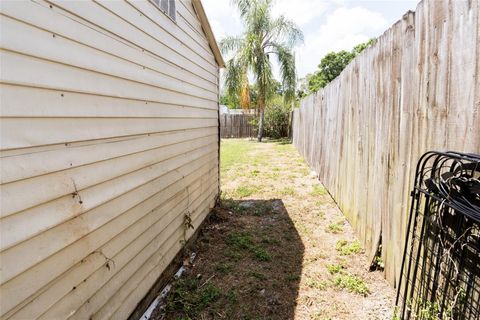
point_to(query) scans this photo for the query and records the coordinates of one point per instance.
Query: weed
(316, 257)
(261, 254)
(288, 237)
(429, 311)
(351, 283)
(318, 190)
(190, 297)
(319, 214)
(224, 267)
(267, 240)
(334, 228)
(257, 275)
(245, 191)
(334, 268)
(287, 191)
(304, 171)
(254, 173)
(244, 241)
(240, 240)
(347, 249)
(293, 277)
(232, 297)
(233, 254)
(261, 209)
(317, 284)
(273, 175)
(303, 228)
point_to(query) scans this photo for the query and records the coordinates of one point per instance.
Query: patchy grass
(318, 190)
(345, 248)
(287, 191)
(224, 267)
(190, 297)
(273, 248)
(351, 283)
(245, 191)
(334, 228)
(234, 152)
(254, 173)
(258, 275)
(318, 284)
(334, 268)
(244, 241)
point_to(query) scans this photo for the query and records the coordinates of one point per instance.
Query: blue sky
(327, 25)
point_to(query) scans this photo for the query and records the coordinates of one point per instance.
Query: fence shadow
(249, 257)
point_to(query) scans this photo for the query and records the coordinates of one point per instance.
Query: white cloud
(223, 18)
(343, 29)
(300, 11)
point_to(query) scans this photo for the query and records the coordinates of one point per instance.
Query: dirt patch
(277, 248)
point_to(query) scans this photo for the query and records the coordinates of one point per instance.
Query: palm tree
(263, 37)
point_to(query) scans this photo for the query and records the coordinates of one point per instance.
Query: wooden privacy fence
(237, 126)
(416, 89)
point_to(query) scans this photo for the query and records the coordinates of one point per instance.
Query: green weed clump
(190, 297)
(351, 283)
(318, 284)
(224, 267)
(318, 190)
(246, 191)
(334, 268)
(334, 228)
(347, 249)
(287, 191)
(244, 242)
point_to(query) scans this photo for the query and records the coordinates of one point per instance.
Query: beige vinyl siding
(109, 137)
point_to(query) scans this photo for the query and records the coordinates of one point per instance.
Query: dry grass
(277, 248)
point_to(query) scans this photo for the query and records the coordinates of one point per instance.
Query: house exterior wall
(109, 139)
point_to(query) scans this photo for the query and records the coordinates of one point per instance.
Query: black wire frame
(440, 271)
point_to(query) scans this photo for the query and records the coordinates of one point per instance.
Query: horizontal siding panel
(179, 42)
(101, 18)
(35, 72)
(95, 199)
(151, 244)
(48, 187)
(25, 132)
(44, 46)
(28, 102)
(128, 305)
(89, 275)
(109, 135)
(185, 35)
(49, 20)
(29, 165)
(126, 210)
(186, 18)
(113, 308)
(53, 186)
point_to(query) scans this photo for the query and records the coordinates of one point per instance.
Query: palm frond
(230, 44)
(286, 60)
(285, 30)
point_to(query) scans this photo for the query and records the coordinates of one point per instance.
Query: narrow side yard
(277, 248)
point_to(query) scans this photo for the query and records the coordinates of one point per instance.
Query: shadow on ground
(248, 266)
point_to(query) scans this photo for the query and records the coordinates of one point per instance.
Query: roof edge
(197, 4)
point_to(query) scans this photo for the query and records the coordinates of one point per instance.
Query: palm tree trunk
(260, 126)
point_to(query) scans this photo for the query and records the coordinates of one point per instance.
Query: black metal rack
(440, 273)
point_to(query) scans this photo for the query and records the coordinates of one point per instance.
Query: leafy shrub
(277, 117)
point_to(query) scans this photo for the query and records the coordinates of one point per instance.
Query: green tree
(264, 37)
(230, 101)
(332, 65)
